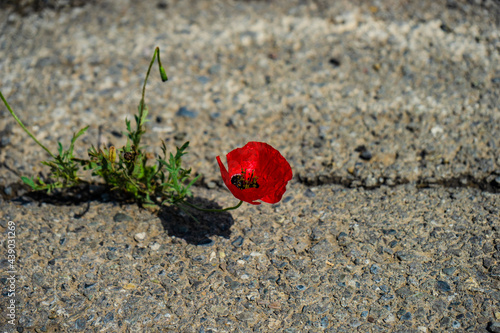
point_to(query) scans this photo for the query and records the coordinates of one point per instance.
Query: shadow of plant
(196, 227)
(71, 196)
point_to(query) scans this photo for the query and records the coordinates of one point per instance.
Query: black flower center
(243, 182)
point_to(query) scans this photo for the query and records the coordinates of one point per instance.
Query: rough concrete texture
(388, 113)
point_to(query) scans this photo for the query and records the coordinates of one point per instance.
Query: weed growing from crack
(129, 169)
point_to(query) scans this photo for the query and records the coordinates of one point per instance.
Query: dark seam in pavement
(463, 181)
(83, 194)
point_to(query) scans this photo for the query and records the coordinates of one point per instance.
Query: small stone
(129, 286)
(111, 255)
(404, 256)
(203, 79)
(343, 239)
(80, 324)
(245, 316)
(495, 271)
(38, 279)
(445, 321)
(403, 292)
(214, 69)
(120, 217)
(390, 318)
(8, 191)
(375, 269)
(443, 286)
(406, 316)
(185, 112)
(342, 234)
(322, 248)
(355, 323)
(309, 193)
(206, 242)
(109, 317)
(301, 287)
(154, 246)
(238, 242)
(324, 322)
(366, 155)
(449, 270)
(139, 237)
(386, 297)
(390, 232)
(231, 283)
(47, 61)
(371, 181)
(455, 324)
(487, 262)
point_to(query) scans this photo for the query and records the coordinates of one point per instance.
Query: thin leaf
(76, 136)
(28, 181)
(60, 148)
(192, 182)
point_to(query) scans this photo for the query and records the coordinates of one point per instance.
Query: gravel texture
(387, 111)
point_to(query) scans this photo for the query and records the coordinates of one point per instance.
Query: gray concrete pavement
(387, 112)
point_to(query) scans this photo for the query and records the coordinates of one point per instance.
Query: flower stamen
(243, 182)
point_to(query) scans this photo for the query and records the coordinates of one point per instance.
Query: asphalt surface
(387, 112)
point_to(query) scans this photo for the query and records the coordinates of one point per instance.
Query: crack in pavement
(491, 183)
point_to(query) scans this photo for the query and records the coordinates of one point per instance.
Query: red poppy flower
(256, 172)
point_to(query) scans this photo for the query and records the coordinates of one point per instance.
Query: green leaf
(184, 146)
(79, 133)
(76, 136)
(144, 115)
(29, 181)
(193, 181)
(40, 180)
(60, 148)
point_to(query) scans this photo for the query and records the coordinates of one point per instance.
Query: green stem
(164, 78)
(212, 210)
(24, 127)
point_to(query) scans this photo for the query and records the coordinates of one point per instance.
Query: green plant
(150, 181)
